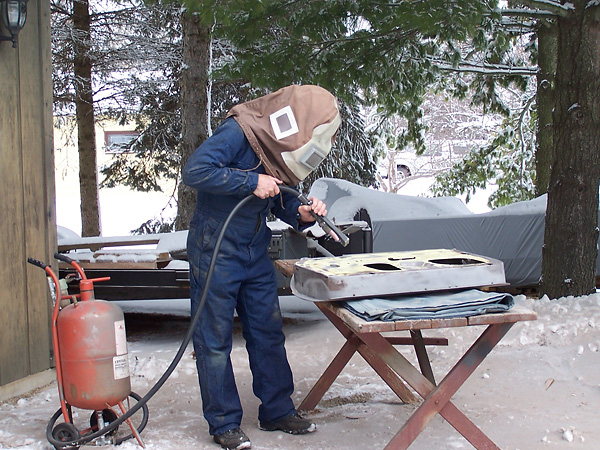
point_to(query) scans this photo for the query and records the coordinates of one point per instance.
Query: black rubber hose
(188, 336)
(180, 352)
(74, 444)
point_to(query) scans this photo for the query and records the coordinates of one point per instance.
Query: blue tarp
(439, 305)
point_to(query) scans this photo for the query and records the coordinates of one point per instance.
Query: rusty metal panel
(390, 273)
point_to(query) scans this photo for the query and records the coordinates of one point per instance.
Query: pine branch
(488, 69)
(529, 13)
(549, 6)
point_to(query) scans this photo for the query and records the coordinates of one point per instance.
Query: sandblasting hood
(291, 130)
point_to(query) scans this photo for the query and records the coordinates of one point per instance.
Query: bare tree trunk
(194, 108)
(84, 104)
(571, 235)
(547, 35)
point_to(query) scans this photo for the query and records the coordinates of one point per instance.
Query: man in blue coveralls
(275, 139)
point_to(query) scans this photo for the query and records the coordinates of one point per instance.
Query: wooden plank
(330, 374)
(357, 324)
(107, 265)
(372, 359)
(419, 383)
(423, 324)
(516, 314)
(387, 374)
(14, 359)
(286, 266)
(35, 116)
(129, 255)
(47, 127)
(405, 340)
(438, 399)
(97, 243)
(422, 356)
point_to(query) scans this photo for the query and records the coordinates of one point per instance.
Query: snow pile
(561, 322)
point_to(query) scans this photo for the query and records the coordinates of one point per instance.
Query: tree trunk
(547, 35)
(571, 234)
(84, 113)
(194, 108)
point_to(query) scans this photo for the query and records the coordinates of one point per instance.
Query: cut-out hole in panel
(382, 266)
(457, 261)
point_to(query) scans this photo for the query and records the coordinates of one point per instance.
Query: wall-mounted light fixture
(14, 15)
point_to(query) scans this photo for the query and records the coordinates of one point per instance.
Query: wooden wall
(27, 207)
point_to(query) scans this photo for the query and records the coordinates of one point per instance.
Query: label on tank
(120, 337)
(121, 367)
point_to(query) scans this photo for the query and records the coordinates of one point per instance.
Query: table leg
(387, 374)
(437, 399)
(330, 374)
(440, 396)
(422, 356)
(335, 367)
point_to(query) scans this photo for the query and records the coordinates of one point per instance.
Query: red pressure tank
(93, 354)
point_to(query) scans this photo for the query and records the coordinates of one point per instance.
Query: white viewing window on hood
(284, 123)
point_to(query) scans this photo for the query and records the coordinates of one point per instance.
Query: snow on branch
(530, 13)
(488, 69)
(551, 6)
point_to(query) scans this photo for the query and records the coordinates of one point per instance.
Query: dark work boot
(234, 439)
(292, 424)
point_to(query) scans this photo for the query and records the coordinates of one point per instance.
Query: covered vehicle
(514, 234)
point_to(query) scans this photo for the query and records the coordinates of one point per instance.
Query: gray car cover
(513, 234)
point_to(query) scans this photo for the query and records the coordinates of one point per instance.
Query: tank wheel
(65, 432)
(108, 415)
(139, 424)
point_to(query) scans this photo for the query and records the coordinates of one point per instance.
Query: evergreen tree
(507, 158)
(386, 56)
(571, 233)
(114, 59)
(80, 89)
(393, 53)
(389, 55)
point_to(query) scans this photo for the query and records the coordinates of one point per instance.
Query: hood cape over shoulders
(291, 130)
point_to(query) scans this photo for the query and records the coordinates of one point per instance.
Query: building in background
(121, 208)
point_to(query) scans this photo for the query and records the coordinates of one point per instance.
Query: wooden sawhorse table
(379, 352)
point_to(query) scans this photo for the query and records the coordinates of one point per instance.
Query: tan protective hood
(291, 130)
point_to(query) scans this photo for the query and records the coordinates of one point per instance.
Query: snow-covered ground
(538, 389)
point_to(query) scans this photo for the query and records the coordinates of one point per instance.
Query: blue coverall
(224, 170)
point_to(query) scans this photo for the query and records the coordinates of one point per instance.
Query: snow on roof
(344, 199)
